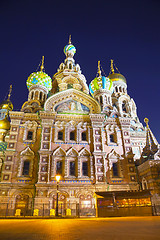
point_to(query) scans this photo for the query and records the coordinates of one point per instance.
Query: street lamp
(57, 179)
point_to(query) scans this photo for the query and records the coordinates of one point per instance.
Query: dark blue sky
(127, 31)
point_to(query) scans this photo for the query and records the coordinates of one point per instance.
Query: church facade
(90, 136)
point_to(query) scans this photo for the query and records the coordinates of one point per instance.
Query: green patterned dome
(39, 78)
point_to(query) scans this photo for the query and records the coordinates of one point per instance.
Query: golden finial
(146, 120)
(99, 69)
(69, 40)
(112, 68)
(9, 94)
(42, 65)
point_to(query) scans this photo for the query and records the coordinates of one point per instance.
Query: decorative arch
(59, 152)
(72, 95)
(26, 156)
(72, 152)
(84, 152)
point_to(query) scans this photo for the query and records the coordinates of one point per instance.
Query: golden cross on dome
(69, 40)
(99, 69)
(42, 65)
(146, 120)
(112, 68)
(9, 94)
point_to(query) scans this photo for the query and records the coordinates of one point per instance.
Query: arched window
(70, 66)
(26, 168)
(60, 135)
(115, 169)
(72, 135)
(116, 89)
(84, 136)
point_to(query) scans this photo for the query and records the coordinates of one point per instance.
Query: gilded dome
(117, 77)
(6, 104)
(5, 124)
(39, 78)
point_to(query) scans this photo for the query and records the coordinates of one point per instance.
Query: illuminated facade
(92, 141)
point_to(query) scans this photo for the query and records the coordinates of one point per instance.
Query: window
(115, 169)
(59, 168)
(26, 168)
(29, 135)
(112, 138)
(85, 168)
(72, 135)
(84, 137)
(72, 168)
(124, 107)
(101, 100)
(60, 135)
(40, 96)
(70, 85)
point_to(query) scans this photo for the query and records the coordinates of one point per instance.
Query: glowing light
(58, 178)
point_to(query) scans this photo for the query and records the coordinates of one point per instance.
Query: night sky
(126, 31)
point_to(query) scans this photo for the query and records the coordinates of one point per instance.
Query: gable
(72, 101)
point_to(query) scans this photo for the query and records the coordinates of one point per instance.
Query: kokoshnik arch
(92, 141)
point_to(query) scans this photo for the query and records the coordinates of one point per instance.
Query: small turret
(39, 84)
(101, 89)
(119, 81)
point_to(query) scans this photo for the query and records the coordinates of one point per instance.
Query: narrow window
(40, 96)
(84, 137)
(26, 168)
(72, 168)
(29, 135)
(72, 135)
(85, 168)
(112, 138)
(101, 99)
(59, 167)
(115, 170)
(124, 107)
(60, 135)
(32, 95)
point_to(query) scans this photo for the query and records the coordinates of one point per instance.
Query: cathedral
(89, 135)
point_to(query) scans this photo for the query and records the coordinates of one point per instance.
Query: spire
(112, 68)
(9, 94)
(99, 69)
(151, 143)
(42, 65)
(69, 42)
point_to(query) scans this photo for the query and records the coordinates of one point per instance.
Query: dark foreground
(128, 228)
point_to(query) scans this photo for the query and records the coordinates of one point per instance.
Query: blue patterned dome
(100, 82)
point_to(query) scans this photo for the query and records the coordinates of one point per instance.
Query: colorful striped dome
(39, 78)
(100, 82)
(69, 50)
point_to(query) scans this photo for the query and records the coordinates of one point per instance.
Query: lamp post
(57, 179)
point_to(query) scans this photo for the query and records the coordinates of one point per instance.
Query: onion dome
(100, 82)
(69, 49)
(5, 124)
(7, 104)
(116, 76)
(39, 78)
